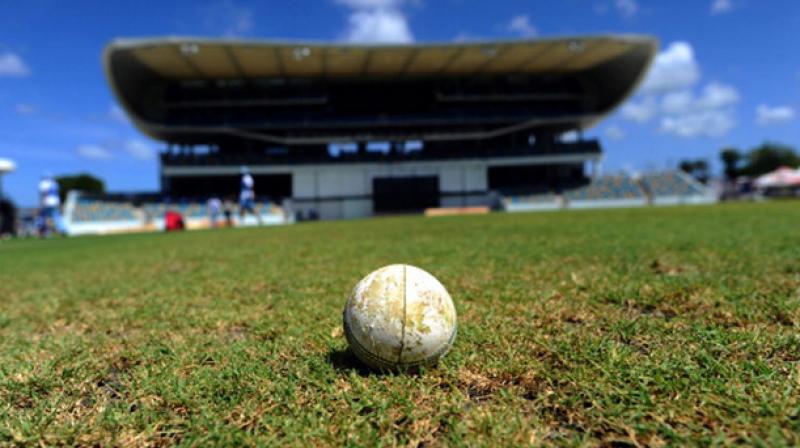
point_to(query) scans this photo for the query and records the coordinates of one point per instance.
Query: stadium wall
(346, 190)
(685, 200)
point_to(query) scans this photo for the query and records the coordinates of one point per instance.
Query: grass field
(619, 327)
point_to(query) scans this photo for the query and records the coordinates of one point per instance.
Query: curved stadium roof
(189, 90)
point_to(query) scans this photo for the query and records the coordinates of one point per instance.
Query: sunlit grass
(642, 326)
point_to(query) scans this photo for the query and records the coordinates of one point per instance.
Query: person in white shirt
(214, 206)
(247, 196)
(49, 203)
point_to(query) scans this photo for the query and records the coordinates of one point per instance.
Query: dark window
(521, 179)
(405, 194)
(273, 186)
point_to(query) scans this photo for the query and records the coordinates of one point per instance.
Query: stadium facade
(346, 131)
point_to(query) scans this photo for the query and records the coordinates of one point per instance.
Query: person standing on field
(247, 196)
(49, 203)
(214, 206)
(227, 210)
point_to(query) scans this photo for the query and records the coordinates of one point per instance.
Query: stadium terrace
(345, 131)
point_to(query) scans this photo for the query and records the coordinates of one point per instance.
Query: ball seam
(377, 361)
(403, 326)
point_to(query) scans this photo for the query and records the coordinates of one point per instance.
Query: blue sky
(728, 72)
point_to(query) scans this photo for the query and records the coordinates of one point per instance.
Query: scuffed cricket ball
(399, 317)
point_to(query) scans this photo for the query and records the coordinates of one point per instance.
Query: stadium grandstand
(621, 190)
(86, 214)
(344, 131)
(675, 187)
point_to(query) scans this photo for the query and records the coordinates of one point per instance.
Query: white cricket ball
(399, 317)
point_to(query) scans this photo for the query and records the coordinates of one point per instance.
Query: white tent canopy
(782, 177)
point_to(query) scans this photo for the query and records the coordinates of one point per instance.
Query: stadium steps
(668, 187)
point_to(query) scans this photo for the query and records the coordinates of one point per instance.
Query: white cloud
(674, 68)
(367, 4)
(94, 152)
(717, 95)
(522, 25)
(721, 6)
(615, 132)
(13, 66)
(138, 149)
(640, 111)
(706, 123)
(628, 8)
(227, 18)
(25, 109)
(710, 114)
(117, 114)
(135, 148)
(466, 37)
(714, 96)
(378, 26)
(677, 102)
(766, 115)
(376, 21)
(669, 95)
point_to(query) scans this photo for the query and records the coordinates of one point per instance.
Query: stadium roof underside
(197, 91)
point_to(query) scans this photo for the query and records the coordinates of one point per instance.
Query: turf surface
(641, 326)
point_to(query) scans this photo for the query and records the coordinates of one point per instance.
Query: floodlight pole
(6, 166)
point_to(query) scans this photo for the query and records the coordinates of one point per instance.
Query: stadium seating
(266, 207)
(671, 183)
(607, 188)
(154, 210)
(92, 210)
(86, 215)
(189, 210)
(667, 187)
(198, 210)
(97, 210)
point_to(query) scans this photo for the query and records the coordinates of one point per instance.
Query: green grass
(642, 326)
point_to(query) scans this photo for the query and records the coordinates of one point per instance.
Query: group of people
(247, 197)
(49, 220)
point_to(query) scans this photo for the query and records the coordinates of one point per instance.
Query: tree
(686, 166)
(768, 157)
(82, 182)
(731, 161)
(695, 168)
